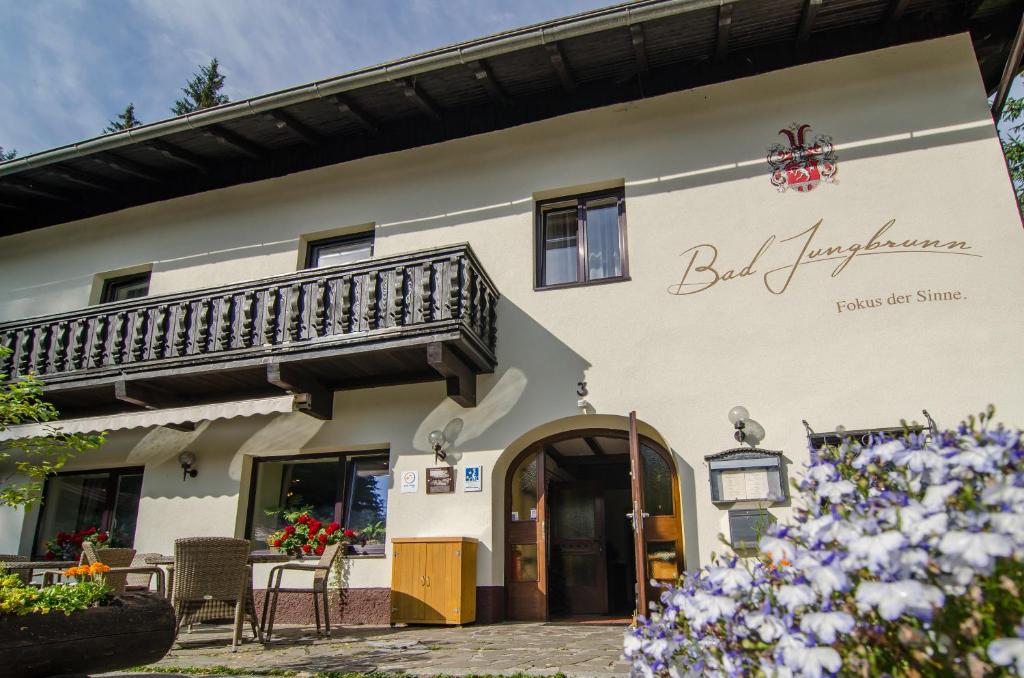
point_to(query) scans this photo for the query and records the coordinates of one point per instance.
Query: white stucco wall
(915, 144)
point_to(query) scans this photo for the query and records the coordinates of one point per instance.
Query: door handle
(632, 519)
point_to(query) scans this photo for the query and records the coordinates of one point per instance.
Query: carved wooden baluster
(25, 341)
(483, 310)
(98, 349)
(227, 321)
(295, 308)
(60, 348)
(467, 299)
(396, 310)
(346, 304)
(318, 327)
(160, 343)
(183, 326)
(44, 342)
(140, 330)
(204, 328)
(117, 351)
(458, 292)
(7, 340)
(426, 292)
(372, 311)
(492, 321)
(270, 324)
(248, 318)
(79, 336)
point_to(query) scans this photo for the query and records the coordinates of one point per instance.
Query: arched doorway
(572, 545)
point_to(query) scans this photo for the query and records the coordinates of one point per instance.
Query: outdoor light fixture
(438, 442)
(188, 462)
(747, 430)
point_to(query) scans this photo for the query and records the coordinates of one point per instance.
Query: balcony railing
(440, 296)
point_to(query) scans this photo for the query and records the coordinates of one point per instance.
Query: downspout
(1009, 71)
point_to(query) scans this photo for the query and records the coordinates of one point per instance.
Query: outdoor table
(255, 558)
(30, 566)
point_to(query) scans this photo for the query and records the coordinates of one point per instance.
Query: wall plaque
(440, 480)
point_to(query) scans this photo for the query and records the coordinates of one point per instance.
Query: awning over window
(174, 416)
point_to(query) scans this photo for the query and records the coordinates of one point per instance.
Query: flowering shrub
(89, 589)
(68, 545)
(906, 559)
(306, 535)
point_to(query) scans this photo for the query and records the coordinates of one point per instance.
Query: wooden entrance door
(526, 551)
(578, 546)
(656, 516)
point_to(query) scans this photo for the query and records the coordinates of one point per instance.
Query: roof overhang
(606, 56)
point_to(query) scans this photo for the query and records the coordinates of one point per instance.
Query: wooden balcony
(422, 316)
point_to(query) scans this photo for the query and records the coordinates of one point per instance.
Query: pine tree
(1013, 144)
(202, 91)
(124, 121)
(7, 155)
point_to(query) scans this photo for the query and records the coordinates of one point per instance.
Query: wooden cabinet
(433, 580)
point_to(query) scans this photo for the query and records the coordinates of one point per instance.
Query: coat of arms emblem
(804, 164)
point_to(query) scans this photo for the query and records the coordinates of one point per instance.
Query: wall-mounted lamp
(438, 442)
(747, 430)
(188, 462)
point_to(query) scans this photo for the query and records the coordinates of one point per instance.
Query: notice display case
(746, 475)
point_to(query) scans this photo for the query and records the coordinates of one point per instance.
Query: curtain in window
(560, 247)
(604, 260)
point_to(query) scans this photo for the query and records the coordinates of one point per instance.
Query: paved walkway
(494, 649)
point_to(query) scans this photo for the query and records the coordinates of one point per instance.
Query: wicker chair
(115, 559)
(321, 571)
(213, 580)
(141, 578)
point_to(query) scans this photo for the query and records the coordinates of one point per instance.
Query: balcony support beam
(145, 396)
(459, 378)
(311, 396)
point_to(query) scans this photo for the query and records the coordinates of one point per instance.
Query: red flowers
(68, 545)
(307, 535)
(101, 537)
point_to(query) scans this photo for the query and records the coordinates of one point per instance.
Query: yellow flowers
(87, 570)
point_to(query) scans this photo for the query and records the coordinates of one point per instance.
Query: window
(343, 249)
(581, 240)
(106, 500)
(125, 287)
(352, 490)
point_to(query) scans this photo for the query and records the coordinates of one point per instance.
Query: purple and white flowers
(907, 558)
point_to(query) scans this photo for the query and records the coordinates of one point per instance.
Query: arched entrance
(572, 544)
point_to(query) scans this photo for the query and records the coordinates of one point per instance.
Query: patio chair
(24, 575)
(114, 558)
(321, 571)
(141, 577)
(213, 580)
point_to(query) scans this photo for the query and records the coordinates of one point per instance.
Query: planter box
(137, 629)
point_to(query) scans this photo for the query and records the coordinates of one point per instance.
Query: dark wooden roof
(617, 54)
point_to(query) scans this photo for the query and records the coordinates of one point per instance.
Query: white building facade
(672, 256)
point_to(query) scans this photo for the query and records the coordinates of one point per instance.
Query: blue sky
(68, 66)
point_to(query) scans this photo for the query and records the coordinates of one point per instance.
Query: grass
(230, 671)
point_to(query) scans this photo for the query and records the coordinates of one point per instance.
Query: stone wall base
(368, 606)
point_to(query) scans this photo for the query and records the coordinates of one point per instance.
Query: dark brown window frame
(313, 245)
(346, 458)
(112, 284)
(108, 508)
(582, 280)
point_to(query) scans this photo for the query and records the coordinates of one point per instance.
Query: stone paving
(576, 650)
